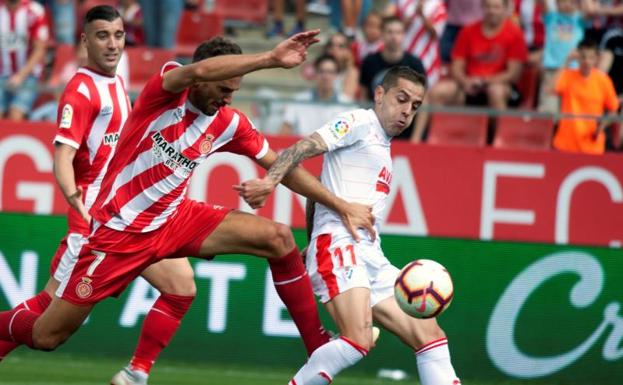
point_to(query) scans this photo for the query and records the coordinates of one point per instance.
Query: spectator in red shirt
(486, 61)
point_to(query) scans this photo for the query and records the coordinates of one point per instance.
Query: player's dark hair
(587, 43)
(323, 58)
(216, 46)
(389, 20)
(397, 72)
(101, 12)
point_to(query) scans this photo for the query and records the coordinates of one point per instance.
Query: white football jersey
(357, 167)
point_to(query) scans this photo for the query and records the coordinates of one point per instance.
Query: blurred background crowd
(534, 74)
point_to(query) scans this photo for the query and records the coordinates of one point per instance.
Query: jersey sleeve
(562, 82)
(154, 95)
(38, 28)
(518, 49)
(611, 100)
(247, 140)
(461, 45)
(342, 131)
(73, 119)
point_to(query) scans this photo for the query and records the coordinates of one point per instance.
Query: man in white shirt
(354, 279)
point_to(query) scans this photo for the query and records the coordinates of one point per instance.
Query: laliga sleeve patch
(340, 127)
(66, 116)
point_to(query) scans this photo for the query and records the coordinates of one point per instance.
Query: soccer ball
(423, 289)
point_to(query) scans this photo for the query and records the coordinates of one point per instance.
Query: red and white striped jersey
(164, 140)
(18, 29)
(91, 113)
(418, 41)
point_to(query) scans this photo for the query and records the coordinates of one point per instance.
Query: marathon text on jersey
(174, 159)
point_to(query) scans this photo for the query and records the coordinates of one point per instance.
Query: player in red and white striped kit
(24, 33)
(92, 110)
(354, 279)
(141, 215)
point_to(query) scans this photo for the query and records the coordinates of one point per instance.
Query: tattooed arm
(283, 169)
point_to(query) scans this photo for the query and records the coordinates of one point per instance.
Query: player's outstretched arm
(287, 54)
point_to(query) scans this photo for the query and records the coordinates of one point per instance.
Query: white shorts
(335, 264)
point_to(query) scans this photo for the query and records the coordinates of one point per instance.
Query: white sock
(327, 361)
(433, 364)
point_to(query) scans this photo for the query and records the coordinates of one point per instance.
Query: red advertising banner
(456, 192)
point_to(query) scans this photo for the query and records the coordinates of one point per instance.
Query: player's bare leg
(174, 279)
(44, 331)
(425, 337)
(36, 304)
(241, 233)
(353, 316)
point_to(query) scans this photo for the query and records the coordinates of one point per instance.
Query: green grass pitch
(36, 368)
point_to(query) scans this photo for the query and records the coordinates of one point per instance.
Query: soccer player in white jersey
(354, 279)
(141, 215)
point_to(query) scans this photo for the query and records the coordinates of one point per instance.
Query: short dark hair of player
(323, 58)
(389, 20)
(588, 44)
(397, 72)
(101, 12)
(216, 46)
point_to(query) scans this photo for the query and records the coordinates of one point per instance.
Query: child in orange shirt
(584, 91)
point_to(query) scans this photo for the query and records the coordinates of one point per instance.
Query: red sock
(159, 327)
(36, 304)
(16, 326)
(295, 290)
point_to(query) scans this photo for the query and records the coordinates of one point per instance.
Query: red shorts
(112, 259)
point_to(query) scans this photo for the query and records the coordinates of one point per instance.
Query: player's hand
(293, 51)
(15, 81)
(75, 201)
(357, 216)
(255, 191)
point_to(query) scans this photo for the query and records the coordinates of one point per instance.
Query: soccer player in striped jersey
(354, 279)
(141, 215)
(92, 110)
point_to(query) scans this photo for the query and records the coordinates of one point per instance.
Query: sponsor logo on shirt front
(66, 116)
(384, 180)
(111, 139)
(107, 110)
(173, 159)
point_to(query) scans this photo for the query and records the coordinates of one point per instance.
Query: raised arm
(289, 53)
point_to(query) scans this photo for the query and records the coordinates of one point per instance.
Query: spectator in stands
(529, 16)
(348, 75)
(604, 15)
(584, 91)
(611, 58)
(277, 29)
(487, 60)
(318, 105)
(425, 21)
(375, 66)
(460, 14)
(564, 28)
(371, 41)
(350, 14)
(130, 11)
(64, 21)
(22, 49)
(160, 20)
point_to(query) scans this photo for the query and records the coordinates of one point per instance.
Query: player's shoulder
(79, 88)
(353, 120)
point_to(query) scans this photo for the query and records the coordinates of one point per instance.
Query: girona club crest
(206, 144)
(84, 288)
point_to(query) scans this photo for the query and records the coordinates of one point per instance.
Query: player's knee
(180, 283)
(362, 336)
(280, 240)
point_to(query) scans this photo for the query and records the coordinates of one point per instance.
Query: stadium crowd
(526, 65)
